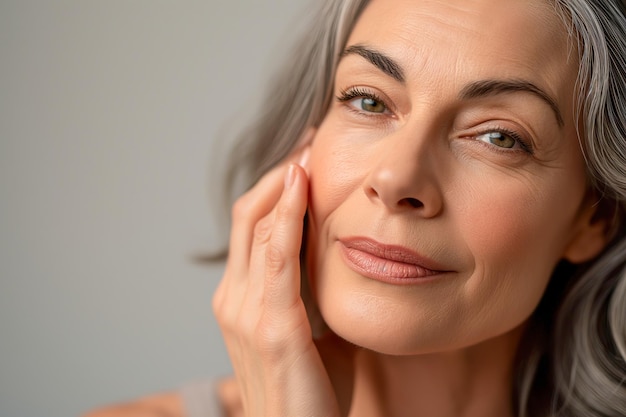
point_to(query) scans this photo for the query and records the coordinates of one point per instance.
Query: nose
(405, 176)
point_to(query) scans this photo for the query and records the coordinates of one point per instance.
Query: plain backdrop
(108, 112)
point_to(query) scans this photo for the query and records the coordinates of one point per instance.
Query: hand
(277, 365)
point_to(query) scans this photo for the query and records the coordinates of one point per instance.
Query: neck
(469, 382)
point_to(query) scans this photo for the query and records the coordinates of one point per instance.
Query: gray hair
(309, 76)
(572, 360)
(589, 347)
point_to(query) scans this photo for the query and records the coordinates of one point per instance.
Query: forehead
(473, 38)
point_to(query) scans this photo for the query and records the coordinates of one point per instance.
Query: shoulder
(207, 398)
(158, 405)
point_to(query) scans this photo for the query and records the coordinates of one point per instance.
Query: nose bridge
(404, 175)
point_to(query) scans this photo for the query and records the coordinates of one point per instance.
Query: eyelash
(525, 145)
(357, 92)
(350, 94)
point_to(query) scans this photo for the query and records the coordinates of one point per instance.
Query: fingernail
(290, 177)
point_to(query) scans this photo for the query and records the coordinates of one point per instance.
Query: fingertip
(295, 175)
(290, 176)
(295, 194)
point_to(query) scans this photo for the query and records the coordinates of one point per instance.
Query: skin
(481, 205)
(414, 167)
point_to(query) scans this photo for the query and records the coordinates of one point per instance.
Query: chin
(384, 339)
(376, 324)
(406, 321)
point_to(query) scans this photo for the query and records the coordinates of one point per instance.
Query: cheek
(516, 235)
(520, 221)
(498, 222)
(334, 172)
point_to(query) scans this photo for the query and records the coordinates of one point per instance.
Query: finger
(252, 206)
(303, 161)
(230, 294)
(250, 306)
(263, 231)
(234, 302)
(282, 256)
(246, 212)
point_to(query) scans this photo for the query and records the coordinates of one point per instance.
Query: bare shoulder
(159, 405)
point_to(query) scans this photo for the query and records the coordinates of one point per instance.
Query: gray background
(107, 113)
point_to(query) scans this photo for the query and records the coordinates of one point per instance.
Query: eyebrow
(485, 88)
(477, 89)
(378, 59)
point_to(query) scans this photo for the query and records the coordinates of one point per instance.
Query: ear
(303, 143)
(593, 232)
(307, 137)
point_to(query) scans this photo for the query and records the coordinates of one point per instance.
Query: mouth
(387, 263)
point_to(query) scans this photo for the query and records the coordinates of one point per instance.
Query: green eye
(371, 105)
(363, 100)
(499, 139)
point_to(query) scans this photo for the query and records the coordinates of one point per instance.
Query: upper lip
(391, 252)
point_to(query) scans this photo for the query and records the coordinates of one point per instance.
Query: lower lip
(385, 270)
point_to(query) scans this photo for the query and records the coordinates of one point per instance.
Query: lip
(388, 263)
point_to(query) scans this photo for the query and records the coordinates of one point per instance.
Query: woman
(462, 172)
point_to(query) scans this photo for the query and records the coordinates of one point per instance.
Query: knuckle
(221, 318)
(246, 325)
(224, 310)
(270, 340)
(262, 230)
(225, 320)
(241, 208)
(283, 211)
(275, 260)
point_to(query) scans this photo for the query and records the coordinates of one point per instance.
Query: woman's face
(446, 179)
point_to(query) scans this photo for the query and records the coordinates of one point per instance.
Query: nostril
(413, 202)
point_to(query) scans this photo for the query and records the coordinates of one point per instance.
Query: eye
(369, 104)
(499, 139)
(504, 139)
(363, 100)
